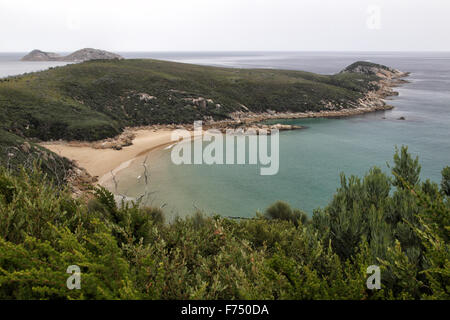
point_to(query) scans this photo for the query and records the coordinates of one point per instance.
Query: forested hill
(96, 99)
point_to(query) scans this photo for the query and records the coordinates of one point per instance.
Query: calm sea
(10, 64)
(312, 159)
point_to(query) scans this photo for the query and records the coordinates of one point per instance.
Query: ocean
(10, 64)
(311, 160)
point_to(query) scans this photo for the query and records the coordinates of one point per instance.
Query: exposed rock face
(77, 56)
(145, 97)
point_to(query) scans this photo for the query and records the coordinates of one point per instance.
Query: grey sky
(216, 25)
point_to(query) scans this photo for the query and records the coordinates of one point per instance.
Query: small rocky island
(77, 56)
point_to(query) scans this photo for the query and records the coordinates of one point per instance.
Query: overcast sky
(230, 25)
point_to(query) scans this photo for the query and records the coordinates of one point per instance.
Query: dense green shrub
(283, 211)
(128, 252)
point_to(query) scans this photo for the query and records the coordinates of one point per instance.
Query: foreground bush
(128, 252)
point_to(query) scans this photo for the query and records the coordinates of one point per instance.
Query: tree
(405, 167)
(445, 183)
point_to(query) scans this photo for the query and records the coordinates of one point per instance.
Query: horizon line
(249, 51)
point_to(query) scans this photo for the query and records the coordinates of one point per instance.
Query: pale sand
(100, 162)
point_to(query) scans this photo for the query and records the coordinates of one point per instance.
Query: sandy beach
(100, 162)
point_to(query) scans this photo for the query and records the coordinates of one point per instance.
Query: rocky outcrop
(248, 126)
(267, 129)
(201, 102)
(38, 55)
(145, 97)
(369, 68)
(123, 140)
(91, 54)
(79, 180)
(77, 56)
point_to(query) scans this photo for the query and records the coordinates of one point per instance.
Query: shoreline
(102, 159)
(259, 117)
(99, 162)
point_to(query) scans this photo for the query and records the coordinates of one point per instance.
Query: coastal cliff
(85, 54)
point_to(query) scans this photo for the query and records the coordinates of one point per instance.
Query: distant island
(85, 54)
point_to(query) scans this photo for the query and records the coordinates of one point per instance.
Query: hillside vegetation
(400, 224)
(96, 99)
(16, 152)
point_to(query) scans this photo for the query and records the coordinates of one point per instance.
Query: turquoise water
(311, 160)
(310, 163)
